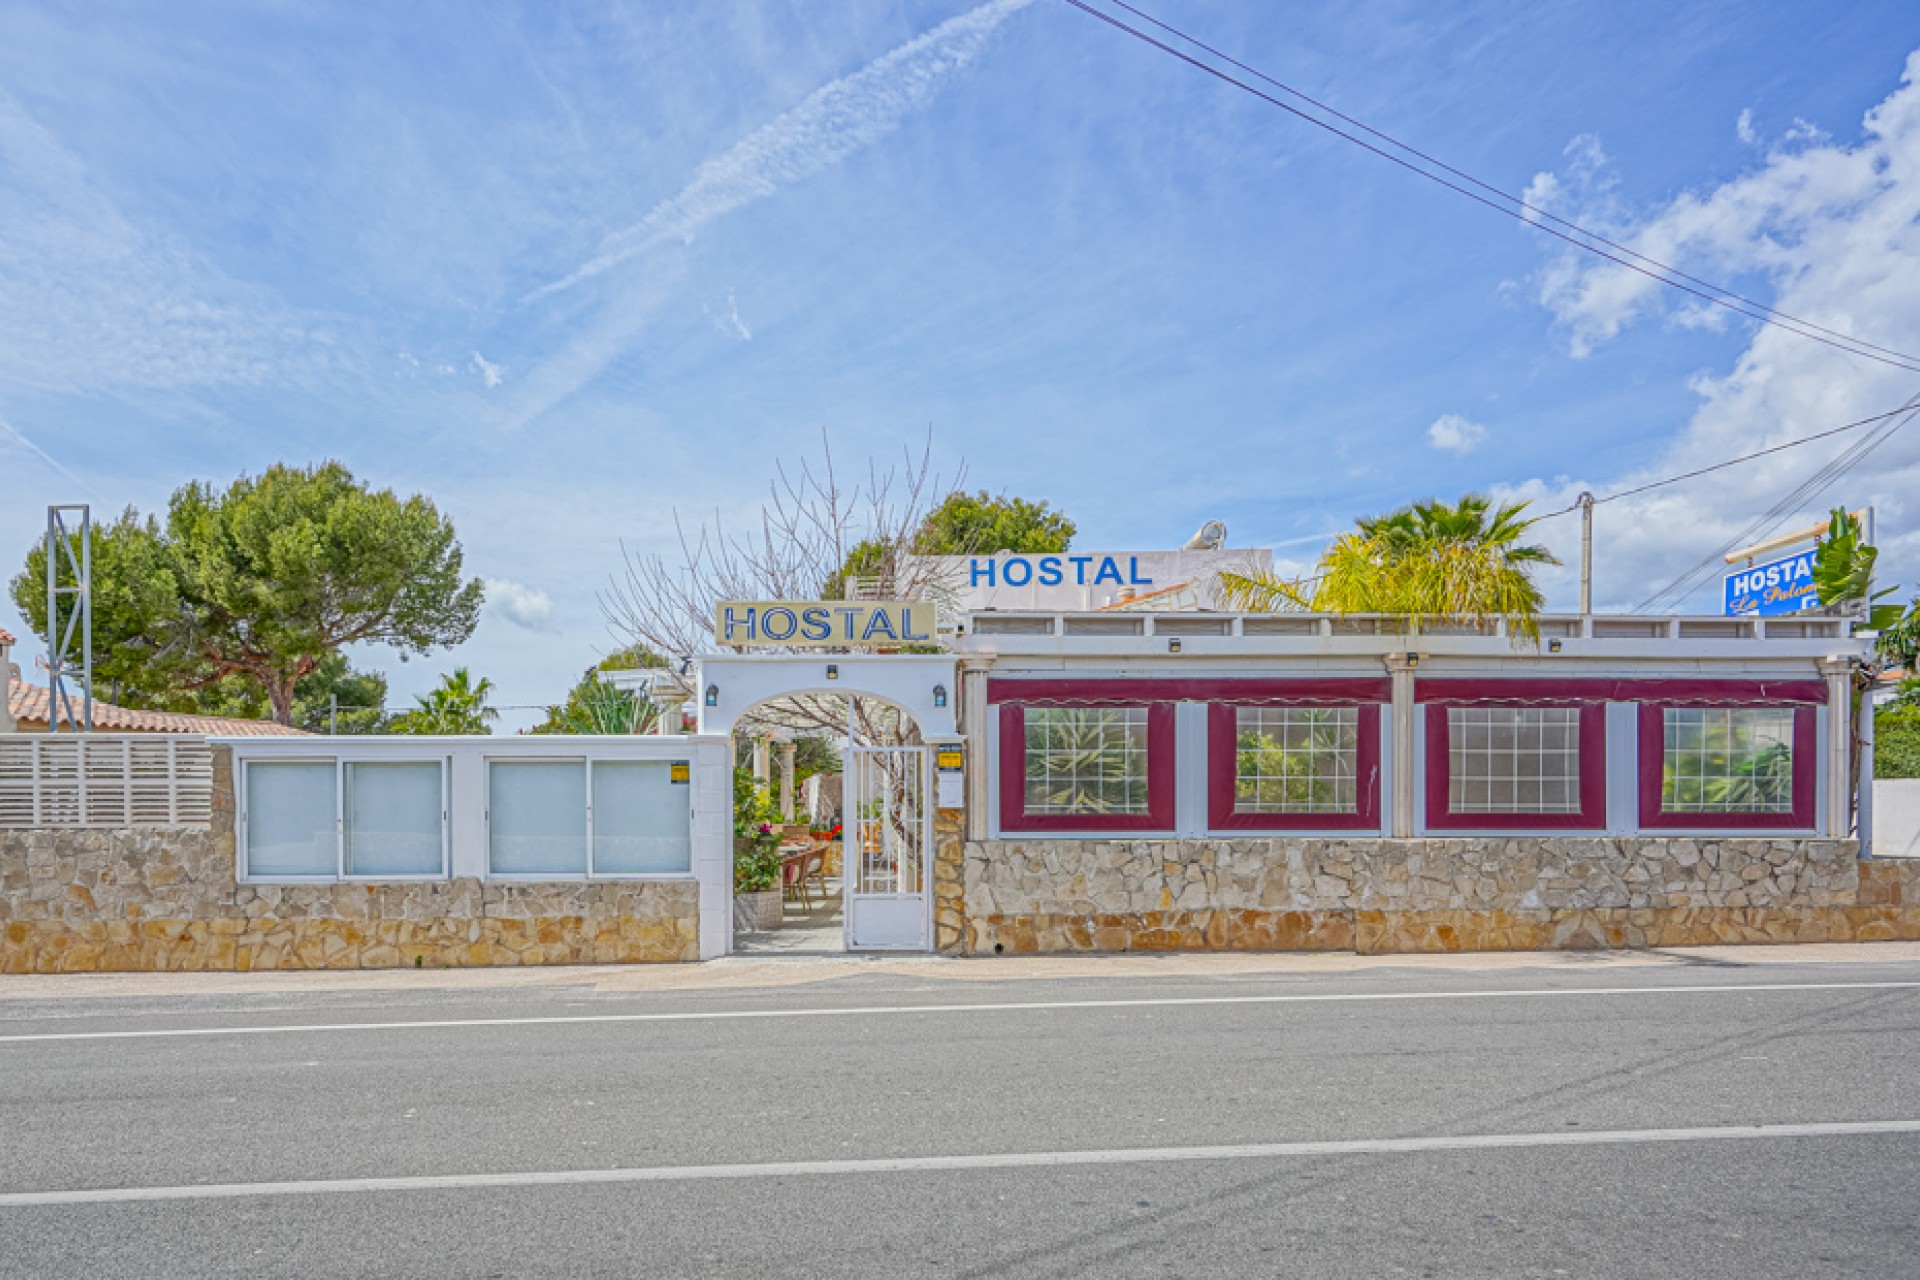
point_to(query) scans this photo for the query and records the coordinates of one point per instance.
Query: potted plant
(756, 855)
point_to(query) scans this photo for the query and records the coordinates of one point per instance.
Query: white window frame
(340, 875)
(586, 762)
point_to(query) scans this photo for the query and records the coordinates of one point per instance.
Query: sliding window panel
(538, 818)
(394, 819)
(292, 819)
(642, 819)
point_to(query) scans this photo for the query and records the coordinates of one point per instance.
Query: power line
(1528, 214)
(1848, 459)
(1732, 462)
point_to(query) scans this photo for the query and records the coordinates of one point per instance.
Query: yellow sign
(679, 771)
(889, 624)
(947, 758)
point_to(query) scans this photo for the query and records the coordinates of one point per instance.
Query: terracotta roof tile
(6, 637)
(28, 704)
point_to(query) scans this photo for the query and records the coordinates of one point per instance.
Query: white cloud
(734, 321)
(830, 124)
(1456, 434)
(94, 301)
(1834, 229)
(519, 604)
(1743, 128)
(490, 373)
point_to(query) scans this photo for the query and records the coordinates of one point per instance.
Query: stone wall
(83, 900)
(1519, 893)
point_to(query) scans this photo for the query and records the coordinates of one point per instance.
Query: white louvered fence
(105, 780)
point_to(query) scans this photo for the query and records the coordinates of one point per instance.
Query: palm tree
(1426, 559)
(458, 706)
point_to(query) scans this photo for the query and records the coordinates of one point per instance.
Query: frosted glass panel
(539, 818)
(393, 819)
(642, 821)
(291, 820)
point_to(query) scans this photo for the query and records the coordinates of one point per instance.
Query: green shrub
(1896, 743)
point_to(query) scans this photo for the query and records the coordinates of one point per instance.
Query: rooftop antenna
(70, 535)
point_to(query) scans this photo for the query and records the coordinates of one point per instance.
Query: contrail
(833, 122)
(43, 455)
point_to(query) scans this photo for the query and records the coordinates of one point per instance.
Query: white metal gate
(888, 846)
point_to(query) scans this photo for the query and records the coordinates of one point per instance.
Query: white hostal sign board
(887, 827)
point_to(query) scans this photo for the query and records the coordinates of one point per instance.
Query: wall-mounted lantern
(833, 671)
(1173, 646)
(713, 695)
(939, 695)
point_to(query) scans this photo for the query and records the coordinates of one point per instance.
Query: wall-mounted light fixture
(1553, 646)
(713, 695)
(939, 695)
(1173, 646)
(833, 671)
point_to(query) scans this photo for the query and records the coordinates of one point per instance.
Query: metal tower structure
(70, 538)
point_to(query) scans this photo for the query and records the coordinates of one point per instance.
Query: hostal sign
(818, 624)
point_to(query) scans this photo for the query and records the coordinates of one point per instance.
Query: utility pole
(1586, 554)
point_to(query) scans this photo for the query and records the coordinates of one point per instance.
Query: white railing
(105, 780)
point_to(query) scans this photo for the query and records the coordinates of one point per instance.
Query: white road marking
(725, 1015)
(938, 1164)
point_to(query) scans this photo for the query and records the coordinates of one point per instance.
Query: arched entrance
(888, 789)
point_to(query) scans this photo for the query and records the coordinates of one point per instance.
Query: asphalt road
(1685, 1120)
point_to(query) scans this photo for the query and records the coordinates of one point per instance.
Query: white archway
(925, 687)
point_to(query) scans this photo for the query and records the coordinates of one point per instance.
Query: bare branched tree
(817, 536)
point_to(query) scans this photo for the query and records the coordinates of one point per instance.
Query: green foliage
(1896, 741)
(136, 596)
(262, 581)
(963, 524)
(756, 842)
(754, 806)
(594, 706)
(1898, 648)
(1083, 762)
(1427, 559)
(1843, 571)
(978, 524)
(814, 755)
(361, 696)
(457, 706)
(1298, 776)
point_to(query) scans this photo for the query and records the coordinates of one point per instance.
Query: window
(1293, 767)
(293, 819)
(642, 819)
(395, 819)
(1086, 768)
(537, 818)
(565, 818)
(1727, 766)
(331, 819)
(1511, 767)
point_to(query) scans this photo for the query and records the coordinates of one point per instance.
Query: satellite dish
(1211, 537)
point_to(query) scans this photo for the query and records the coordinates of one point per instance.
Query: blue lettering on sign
(907, 633)
(779, 624)
(1051, 571)
(1782, 586)
(735, 623)
(880, 623)
(815, 623)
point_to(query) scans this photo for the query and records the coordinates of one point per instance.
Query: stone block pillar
(1839, 762)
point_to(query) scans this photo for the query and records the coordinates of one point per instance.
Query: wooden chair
(793, 879)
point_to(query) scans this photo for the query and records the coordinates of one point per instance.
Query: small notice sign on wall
(949, 777)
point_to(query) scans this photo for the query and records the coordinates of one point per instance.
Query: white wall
(1896, 818)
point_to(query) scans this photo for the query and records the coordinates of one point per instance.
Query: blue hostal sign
(1779, 586)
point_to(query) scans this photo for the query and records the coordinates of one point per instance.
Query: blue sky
(566, 267)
